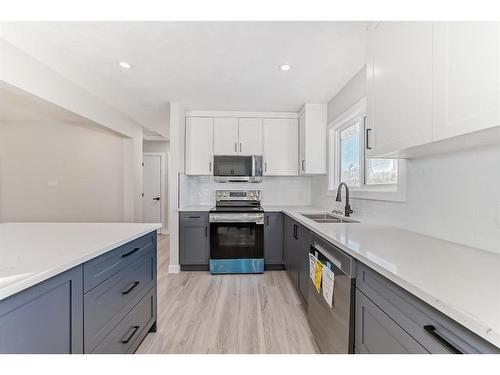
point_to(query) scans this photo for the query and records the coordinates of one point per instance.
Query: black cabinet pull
(206, 231)
(431, 330)
(131, 334)
(267, 220)
(132, 287)
(131, 252)
(367, 142)
(156, 199)
(193, 217)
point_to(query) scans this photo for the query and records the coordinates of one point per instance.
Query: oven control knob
(225, 194)
(219, 194)
(251, 195)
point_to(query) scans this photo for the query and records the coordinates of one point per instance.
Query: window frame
(386, 192)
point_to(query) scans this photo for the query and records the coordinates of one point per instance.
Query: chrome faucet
(348, 210)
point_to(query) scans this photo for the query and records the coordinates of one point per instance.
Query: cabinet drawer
(130, 331)
(101, 268)
(193, 218)
(106, 304)
(430, 328)
(376, 333)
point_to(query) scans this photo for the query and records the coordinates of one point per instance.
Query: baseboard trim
(174, 268)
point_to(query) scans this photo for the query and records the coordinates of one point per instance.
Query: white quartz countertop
(460, 281)
(34, 252)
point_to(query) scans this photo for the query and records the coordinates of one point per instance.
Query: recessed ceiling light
(285, 67)
(125, 65)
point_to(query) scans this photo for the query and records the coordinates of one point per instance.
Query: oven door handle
(222, 221)
(250, 218)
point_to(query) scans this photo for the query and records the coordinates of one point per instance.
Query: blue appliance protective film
(219, 266)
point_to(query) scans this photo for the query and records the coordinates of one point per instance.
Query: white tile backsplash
(200, 190)
(455, 196)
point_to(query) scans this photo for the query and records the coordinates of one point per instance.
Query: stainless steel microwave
(238, 168)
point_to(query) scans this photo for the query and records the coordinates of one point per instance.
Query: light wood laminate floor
(203, 313)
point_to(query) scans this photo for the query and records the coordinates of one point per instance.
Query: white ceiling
(205, 65)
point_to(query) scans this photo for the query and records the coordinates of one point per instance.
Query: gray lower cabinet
(127, 335)
(46, 318)
(273, 240)
(194, 240)
(106, 305)
(376, 333)
(391, 320)
(289, 250)
(297, 239)
(302, 256)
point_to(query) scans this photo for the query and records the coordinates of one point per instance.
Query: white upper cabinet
(234, 136)
(226, 136)
(466, 77)
(399, 87)
(199, 146)
(312, 140)
(280, 147)
(250, 136)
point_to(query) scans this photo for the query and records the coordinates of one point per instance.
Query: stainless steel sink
(328, 218)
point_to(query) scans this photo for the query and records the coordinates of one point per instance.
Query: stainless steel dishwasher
(333, 327)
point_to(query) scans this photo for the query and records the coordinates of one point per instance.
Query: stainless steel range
(237, 232)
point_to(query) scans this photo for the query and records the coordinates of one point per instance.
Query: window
(370, 178)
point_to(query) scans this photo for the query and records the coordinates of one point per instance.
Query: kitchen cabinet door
(399, 87)
(289, 250)
(250, 136)
(194, 240)
(312, 139)
(226, 136)
(46, 318)
(302, 143)
(466, 77)
(273, 239)
(281, 147)
(199, 146)
(376, 333)
(302, 259)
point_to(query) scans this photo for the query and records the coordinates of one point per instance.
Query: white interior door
(152, 189)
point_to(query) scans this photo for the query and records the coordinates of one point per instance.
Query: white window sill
(380, 193)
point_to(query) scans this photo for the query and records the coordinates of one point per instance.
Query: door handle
(235, 147)
(303, 164)
(240, 146)
(131, 288)
(210, 166)
(431, 330)
(131, 334)
(131, 252)
(265, 166)
(156, 199)
(206, 231)
(367, 141)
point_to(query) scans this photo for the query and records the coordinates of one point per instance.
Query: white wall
(290, 191)
(60, 172)
(156, 146)
(175, 168)
(26, 74)
(453, 196)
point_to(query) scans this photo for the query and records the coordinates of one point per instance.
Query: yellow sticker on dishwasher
(318, 275)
